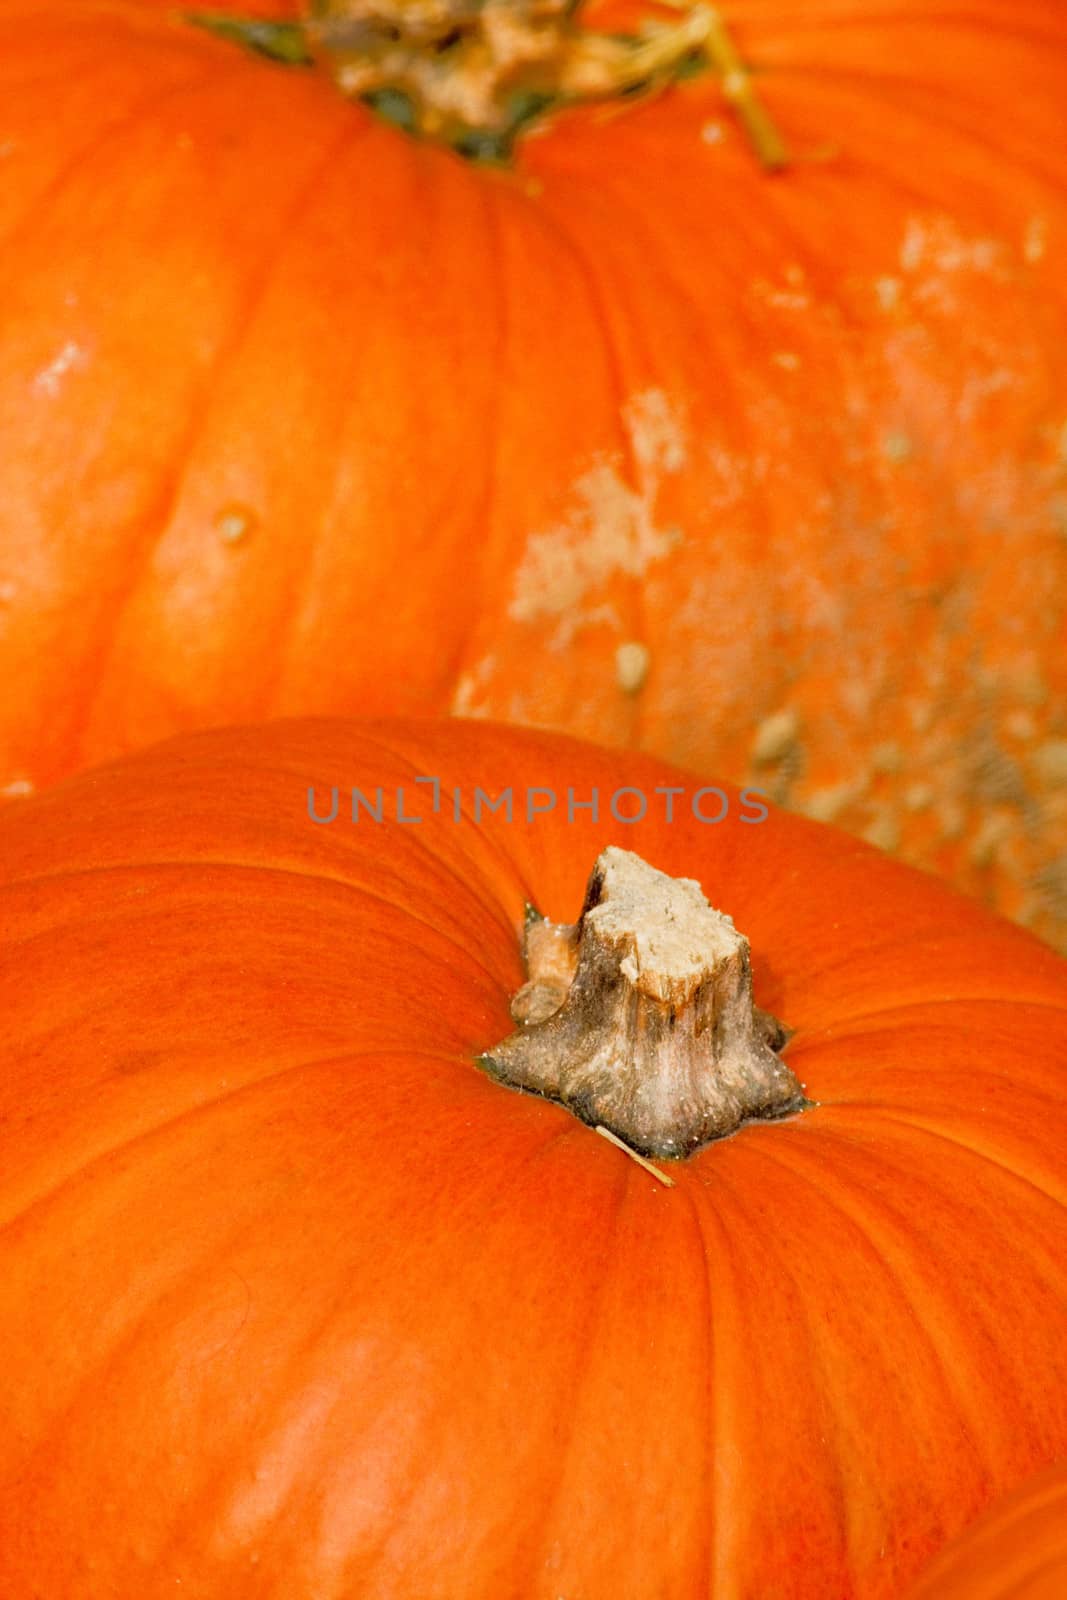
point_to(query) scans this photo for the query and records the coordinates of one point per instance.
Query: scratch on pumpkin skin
(620, 1144)
(612, 530)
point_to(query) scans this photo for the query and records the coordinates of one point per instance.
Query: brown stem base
(474, 73)
(640, 1017)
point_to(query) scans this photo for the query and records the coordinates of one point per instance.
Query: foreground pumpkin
(625, 435)
(298, 1299)
(1018, 1551)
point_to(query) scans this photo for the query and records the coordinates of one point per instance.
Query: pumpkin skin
(296, 1300)
(1018, 1551)
(302, 416)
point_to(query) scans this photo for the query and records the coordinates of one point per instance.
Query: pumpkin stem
(474, 73)
(639, 1017)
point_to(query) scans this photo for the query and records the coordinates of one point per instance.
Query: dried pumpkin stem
(474, 73)
(639, 1017)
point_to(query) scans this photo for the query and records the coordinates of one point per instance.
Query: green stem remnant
(640, 1018)
(473, 74)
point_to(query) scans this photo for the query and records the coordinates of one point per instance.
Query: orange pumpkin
(761, 473)
(296, 1300)
(1018, 1551)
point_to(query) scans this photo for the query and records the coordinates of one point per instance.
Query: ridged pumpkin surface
(763, 474)
(1018, 1551)
(295, 1300)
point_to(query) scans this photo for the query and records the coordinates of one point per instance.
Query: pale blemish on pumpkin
(1051, 886)
(713, 133)
(986, 845)
(657, 432)
(887, 757)
(995, 776)
(913, 247)
(884, 833)
(612, 529)
(1034, 690)
(937, 244)
(234, 523)
(473, 685)
(888, 293)
(859, 694)
(631, 666)
(941, 263)
(979, 386)
(8, 591)
(1035, 240)
(18, 788)
(790, 293)
(275, 1468)
(897, 448)
(1020, 725)
(734, 476)
(49, 380)
(1050, 763)
(1019, 680)
(918, 797)
(827, 804)
(788, 360)
(951, 819)
(774, 736)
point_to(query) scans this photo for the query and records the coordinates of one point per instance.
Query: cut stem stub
(474, 74)
(640, 1017)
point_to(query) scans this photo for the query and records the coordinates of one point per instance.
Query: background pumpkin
(1018, 1551)
(762, 474)
(296, 1300)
